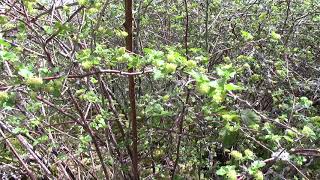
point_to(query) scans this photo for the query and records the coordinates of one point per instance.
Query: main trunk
(133, 114)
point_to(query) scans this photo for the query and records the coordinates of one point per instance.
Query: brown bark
(133, 113)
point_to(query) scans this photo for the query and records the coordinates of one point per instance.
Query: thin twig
(25, 166)
(101, 71)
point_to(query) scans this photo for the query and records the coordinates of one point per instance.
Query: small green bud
(34, 82)
(191, 64)
(232, 175)
(49, 88)
(158, 153)
(101, 29)
(236, 155)
(249, 154)
(258, 175)
(86, 65)
(171, 58)
(203, 88)
(122, 33)
(4, 96)
(93, 10)
(82, 2)
(166, 98)
(170, 68)
(291, 133)
(122, 50)
(275, 36)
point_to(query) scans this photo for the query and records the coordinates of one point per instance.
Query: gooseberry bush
(197, 90)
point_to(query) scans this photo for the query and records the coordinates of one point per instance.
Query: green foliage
(228, 171)
(243, 93)
(99, 121)
(4, 96)
(246, 35)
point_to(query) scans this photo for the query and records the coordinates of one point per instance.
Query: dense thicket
(221, 89)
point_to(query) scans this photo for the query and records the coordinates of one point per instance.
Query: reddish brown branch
(89, 131)
(132, 95)
(102, 71)
(306, 152)
(60, 29)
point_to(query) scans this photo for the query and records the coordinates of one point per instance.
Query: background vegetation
(217, 89)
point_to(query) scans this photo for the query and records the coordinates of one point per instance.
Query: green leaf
(199, 77)
(249, 116)
(275, 36)
(307, 131)
(224, 170)
(305, 102)
(203, 88)
(230, 117)
(157, 74)
(232, 175)
(221, 171)
(26, 73)
(246, 35)
(8, 56)
(226, 71)
(232, 87)
(229, 135)
(4, 43)
(255, 166)
(249, 154)
(258, 175)
(85, 139)
(288, 138)
(228, 172)
(316, 120)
